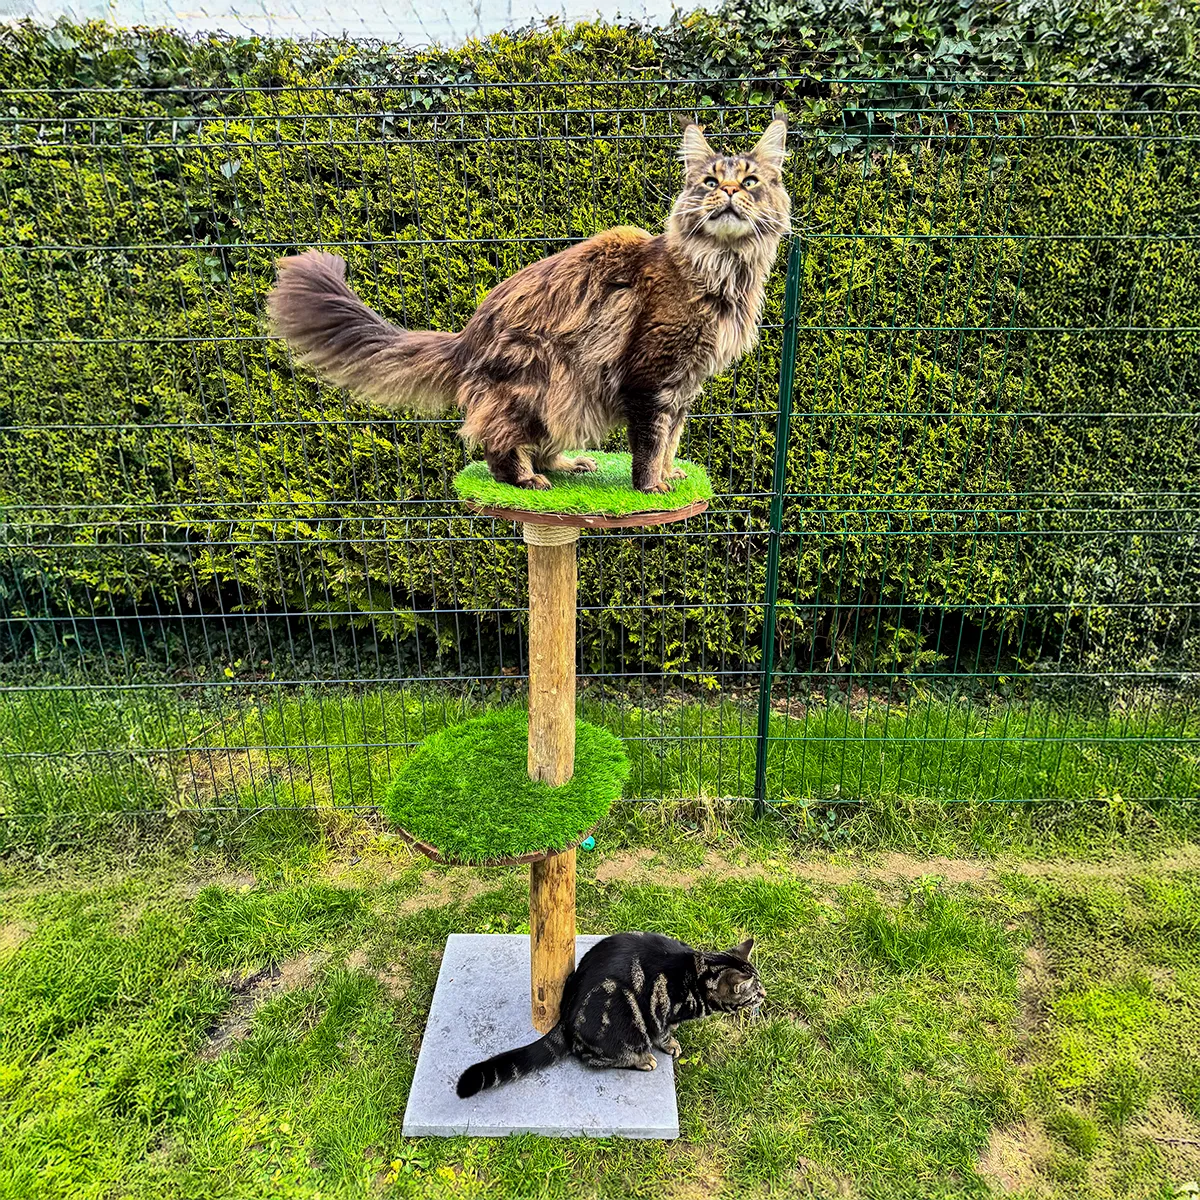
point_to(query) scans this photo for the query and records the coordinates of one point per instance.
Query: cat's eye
(710, 182)
(751, 181)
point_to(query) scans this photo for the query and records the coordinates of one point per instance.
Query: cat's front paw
(671, 1046)
(674, 473)
(583, 463)
(661, 486)
(646, 1063)
(537, 483)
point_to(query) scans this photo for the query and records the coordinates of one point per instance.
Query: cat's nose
(730, 189)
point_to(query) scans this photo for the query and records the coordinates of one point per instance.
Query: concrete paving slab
(480, 1008)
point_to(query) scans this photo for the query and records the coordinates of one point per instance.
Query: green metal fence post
(783, 425)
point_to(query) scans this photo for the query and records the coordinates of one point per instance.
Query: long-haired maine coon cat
(622, 329)
(625, 1000)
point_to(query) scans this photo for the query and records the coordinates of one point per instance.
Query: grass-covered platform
(466, 791)
(608, 491)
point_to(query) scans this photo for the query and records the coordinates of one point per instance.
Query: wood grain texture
(520, 860)
(551, 935)
(593, 521)
(552, 591)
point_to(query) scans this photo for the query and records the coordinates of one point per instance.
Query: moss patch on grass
(608, 491)
(467, 791)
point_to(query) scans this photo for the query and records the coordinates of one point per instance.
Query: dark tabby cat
(625, 999)
(622, 329)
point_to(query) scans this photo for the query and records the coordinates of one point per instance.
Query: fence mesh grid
(954, 550)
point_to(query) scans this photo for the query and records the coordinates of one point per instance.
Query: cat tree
(457, 799)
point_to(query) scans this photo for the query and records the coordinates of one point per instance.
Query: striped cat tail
(513, 1064)
(332, 331)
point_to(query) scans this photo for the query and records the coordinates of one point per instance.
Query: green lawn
(231, 1003)
(96, 750)
(178, 1023)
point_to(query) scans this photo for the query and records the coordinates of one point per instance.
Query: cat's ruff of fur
(625, 999)
(622, 329)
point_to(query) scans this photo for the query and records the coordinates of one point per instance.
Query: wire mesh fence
(954, 553)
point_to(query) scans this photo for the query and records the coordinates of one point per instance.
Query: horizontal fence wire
(968, 572)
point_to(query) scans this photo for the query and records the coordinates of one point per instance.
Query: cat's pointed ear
(695, 150)
(743, 951)
(772, 146)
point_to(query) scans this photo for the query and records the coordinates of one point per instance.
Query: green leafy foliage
(991, 385)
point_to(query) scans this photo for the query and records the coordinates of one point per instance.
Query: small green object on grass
(466, 790)
(608, 491)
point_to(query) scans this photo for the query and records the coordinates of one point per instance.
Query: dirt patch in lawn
(12, 935)
(952, 870)
(1182, 858)
(231, 881)
(695, 1175)
(394, 978)
(1034, 983)
(1014, 1159)
(639, 866)
(1176, 1135)
(459, 885)
(626, 866)
(250, 991)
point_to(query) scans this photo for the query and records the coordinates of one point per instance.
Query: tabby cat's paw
(674, 473)
(672, 1047)
(537, 483)
(646, 1063)
(661, 486)
(582, 463)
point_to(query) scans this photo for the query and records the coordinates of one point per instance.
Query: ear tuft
(772, 146)
(743, 951)
(695, 150)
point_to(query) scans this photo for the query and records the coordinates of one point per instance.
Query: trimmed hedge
(159, 453)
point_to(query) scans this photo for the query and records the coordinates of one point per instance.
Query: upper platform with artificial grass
(465, 792)
(605, 492)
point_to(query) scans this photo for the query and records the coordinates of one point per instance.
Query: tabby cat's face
(729, 198)
(732, 981)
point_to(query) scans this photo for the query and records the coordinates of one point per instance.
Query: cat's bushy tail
(331, 330)
(513, 1064)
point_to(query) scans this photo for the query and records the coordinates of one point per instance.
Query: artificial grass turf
(608, 491)
(466, 790)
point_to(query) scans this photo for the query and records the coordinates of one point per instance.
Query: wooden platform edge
(437, 856)
(592, 520)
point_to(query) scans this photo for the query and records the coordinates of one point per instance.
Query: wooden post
(553, 586)
(551, 935)
(552, 591)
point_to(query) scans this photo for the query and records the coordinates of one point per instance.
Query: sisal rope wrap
(549, 535)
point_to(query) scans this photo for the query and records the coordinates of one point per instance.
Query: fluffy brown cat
(622, 329)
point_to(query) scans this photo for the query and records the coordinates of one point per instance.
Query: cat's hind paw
(671, 1046)
(536, 483)
(583, 463)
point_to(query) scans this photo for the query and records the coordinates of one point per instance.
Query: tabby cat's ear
(772, 146)
(743, 951)
(695, 150)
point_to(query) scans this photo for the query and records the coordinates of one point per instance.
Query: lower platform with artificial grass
(465, 791)
(607, 491)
